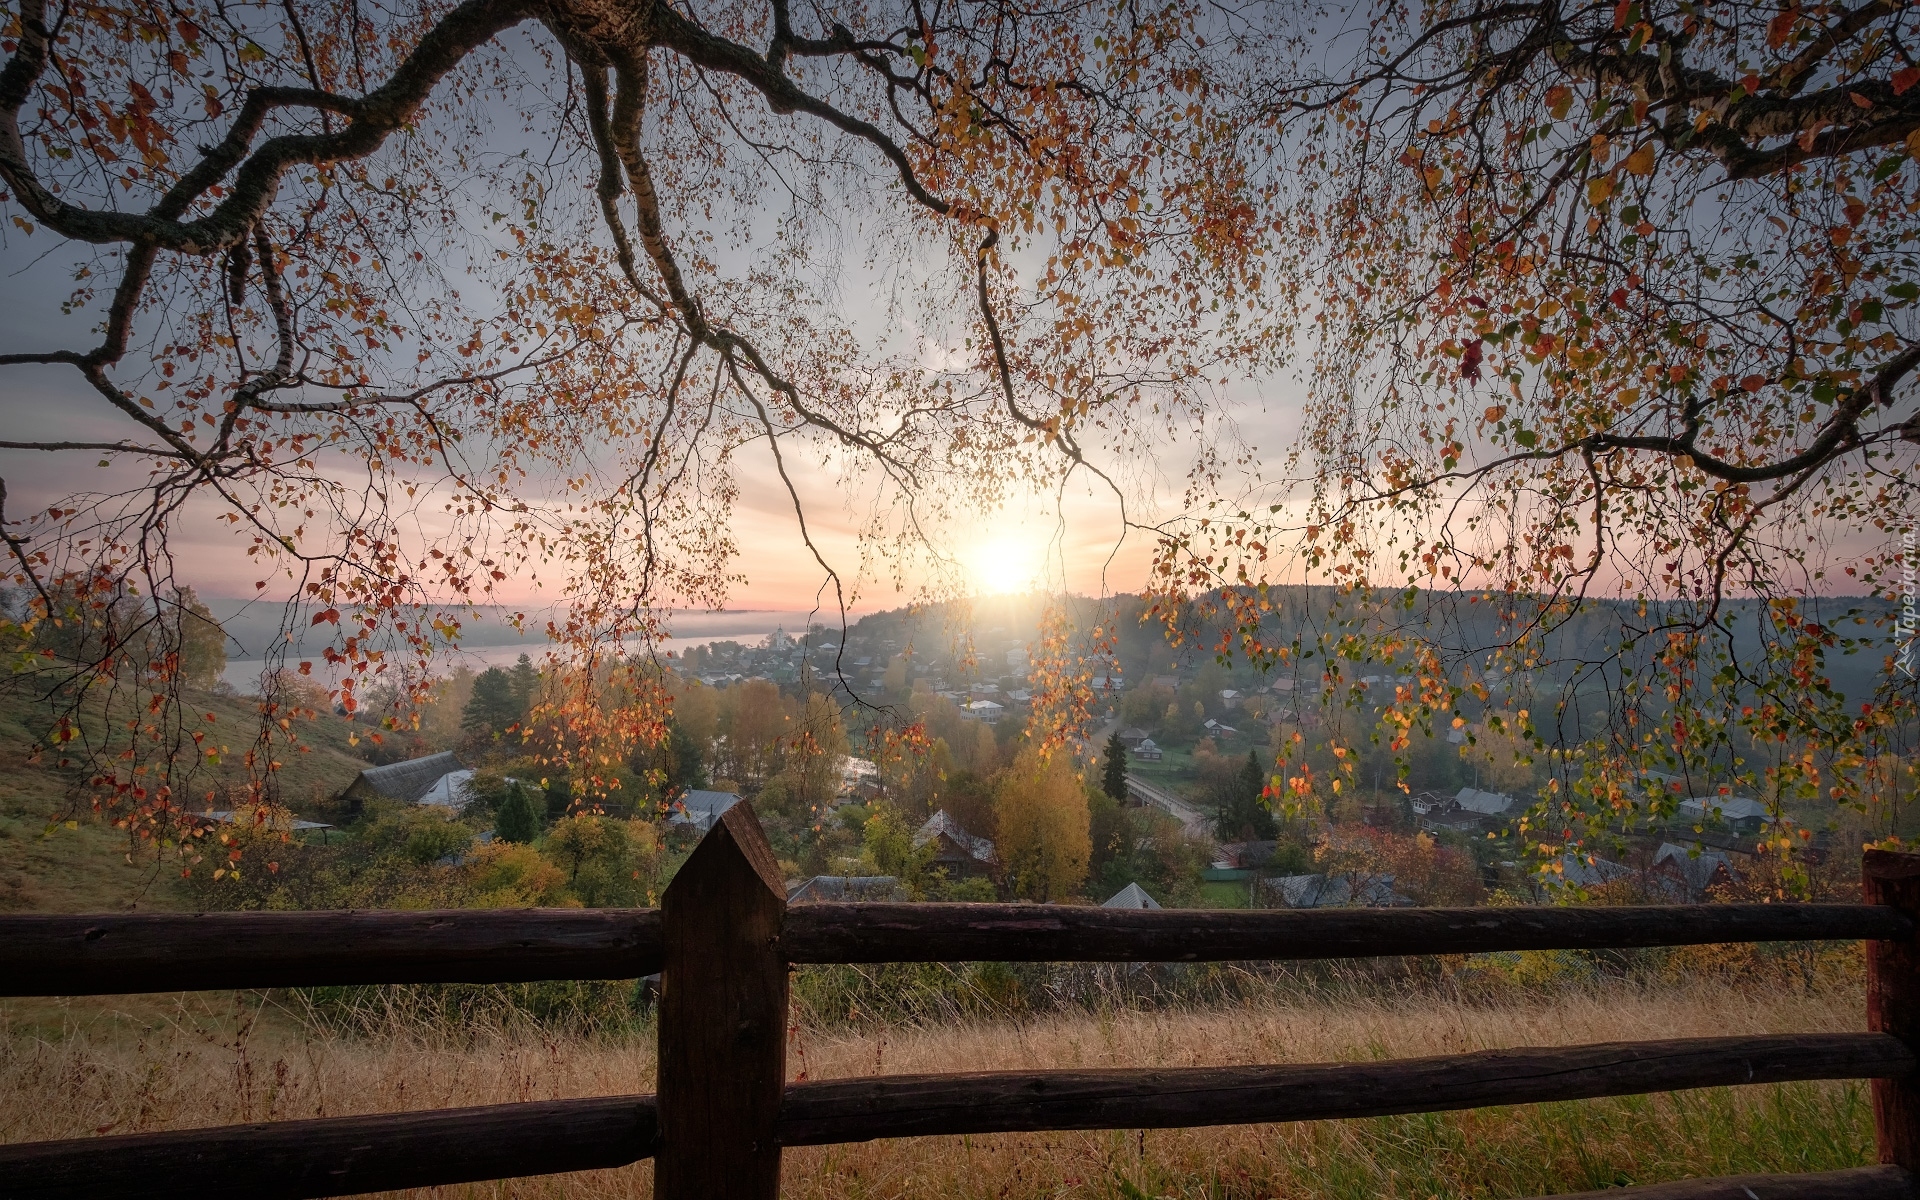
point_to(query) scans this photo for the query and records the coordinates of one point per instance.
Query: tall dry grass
(83, 1069)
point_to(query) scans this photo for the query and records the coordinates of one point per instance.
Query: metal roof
(844, 887)
(939, 824)
(1131, 896)
(411, 779)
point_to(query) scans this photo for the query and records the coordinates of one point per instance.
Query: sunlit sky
(1073, 541)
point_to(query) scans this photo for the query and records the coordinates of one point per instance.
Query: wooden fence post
(723, 1019)
(1893, 1001)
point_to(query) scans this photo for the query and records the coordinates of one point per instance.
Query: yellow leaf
(1913, 143)
(1599, 189)
(1640, 162)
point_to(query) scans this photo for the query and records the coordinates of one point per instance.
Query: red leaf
(1904, 80)
(1470, 360)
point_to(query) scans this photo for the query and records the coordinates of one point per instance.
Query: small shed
(1131, 736)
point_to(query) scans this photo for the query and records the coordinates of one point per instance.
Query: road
(1196, 822)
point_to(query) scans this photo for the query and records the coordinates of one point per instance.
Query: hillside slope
(57, 856)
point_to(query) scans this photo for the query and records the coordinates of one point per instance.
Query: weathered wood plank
(165, 952)
(1893, 1002)
(723, 1019)
(874, 933)
(1855, 1183)
(850, 1110)
(337, 1156)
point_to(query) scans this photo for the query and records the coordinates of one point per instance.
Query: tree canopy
(1594, 301)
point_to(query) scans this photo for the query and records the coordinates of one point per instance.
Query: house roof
(1487, 804)
(1248, 854)
(449, 791)
(1697, 870)
(1575, 869)
(409, 780)
(702, 808)
(941, 825)
(1731, 808)
(1130, 896)
(1333, 891)
(844, 887)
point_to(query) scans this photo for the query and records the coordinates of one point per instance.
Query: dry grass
(77, 1070)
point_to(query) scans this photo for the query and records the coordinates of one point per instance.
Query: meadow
(71, 1069)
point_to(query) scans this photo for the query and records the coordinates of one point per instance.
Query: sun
(1005, 564)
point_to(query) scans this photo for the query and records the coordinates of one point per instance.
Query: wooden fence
(724, 941)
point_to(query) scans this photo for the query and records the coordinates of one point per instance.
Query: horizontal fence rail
(872, 1107)
(158, 952)
(874, 933)
(341, 1156)
(168, 952)
(338, 1156)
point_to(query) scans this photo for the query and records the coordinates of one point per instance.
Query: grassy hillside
(57, 856)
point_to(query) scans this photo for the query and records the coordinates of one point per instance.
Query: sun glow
(1002, 564)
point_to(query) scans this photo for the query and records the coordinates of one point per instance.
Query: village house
(1146, 751)
(959, 853)
(1466, 810)
(1591, 871)
(1131, 736)
(1333, 891)
(407, 782)
(1690, 873)
(1742, 813)
(859, 778)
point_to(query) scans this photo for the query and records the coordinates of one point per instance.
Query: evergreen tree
(1240, 814)
(1114, 781)
(516, 821)
(492, 707)
(526, 684)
